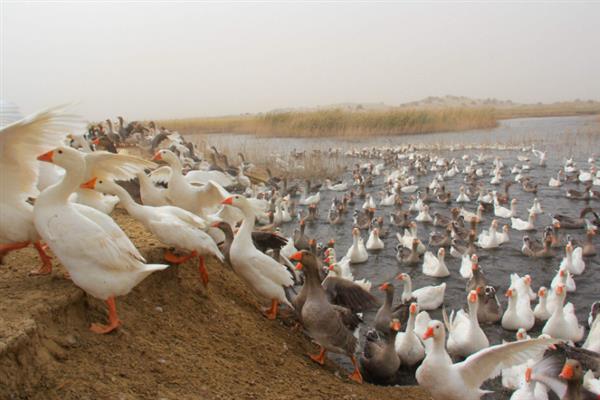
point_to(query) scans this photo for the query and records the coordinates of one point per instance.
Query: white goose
(461, 381)
(408, 345)
(489, 239)
(149, 193)
(374, 242)
(521, 225)
(369, 203)
(517, 314)
(503, 212)
(99, 257)
(183, 194)
(540, 311)
(173, 226)
(21, 140)
(536, 207)
(357, 253)
(338, 187)
(265, 276)
(424, 215)
(573, 260)
(563, 323)
(462, 196)
(435, 266)
(428, 297)
(465, 335)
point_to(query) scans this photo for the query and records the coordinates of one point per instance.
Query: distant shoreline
(392, 122)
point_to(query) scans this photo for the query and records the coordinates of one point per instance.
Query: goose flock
(333, 254)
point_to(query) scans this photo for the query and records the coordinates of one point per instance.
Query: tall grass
(342, 123)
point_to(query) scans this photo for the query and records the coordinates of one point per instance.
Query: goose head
(572, 370)
(165, 155)
(66, 157)
(102, 185)
(435, 330)
(542, 292)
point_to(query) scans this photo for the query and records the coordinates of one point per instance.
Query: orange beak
(428, 333)
(96, 141)
(157, 156)
(396, 326)
(400, 277)
(473, 296)
(297, 256)
(330, 268)
(384, 286)
(509, 293)
(528, 375)
(228, 201)
(299, 266)
(559, 289)
(215, 224)
(46, 156)
(413, 308)
(91, 184)
(567, 372)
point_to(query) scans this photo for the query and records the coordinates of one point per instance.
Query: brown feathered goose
(387, 312)
(326, 323)
(379, 360)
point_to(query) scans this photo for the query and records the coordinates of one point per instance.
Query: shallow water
(576, 137)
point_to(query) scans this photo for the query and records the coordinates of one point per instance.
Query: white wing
(488, 363)
(111, 228)
(271, 269)
(115, 166)
(22, 141)
(89, 236)
(161, 174)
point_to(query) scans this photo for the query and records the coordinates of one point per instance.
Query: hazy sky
(161, 60)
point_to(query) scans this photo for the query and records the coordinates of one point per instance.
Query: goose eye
(100, 182)
(60, 152)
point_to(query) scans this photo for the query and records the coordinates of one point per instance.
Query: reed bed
(342, 122)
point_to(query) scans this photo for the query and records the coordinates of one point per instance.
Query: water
(576, 137)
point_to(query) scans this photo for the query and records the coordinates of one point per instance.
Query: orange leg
(113, 319)
(319, 358)
(272, 312)
(203, 271)
(173, 259)
(355, 375)
(6, 248)
(46, 267)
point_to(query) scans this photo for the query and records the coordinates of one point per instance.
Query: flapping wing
(119, 167)
(348, 294)
(161, 174)
(23, 140)
(487, 363)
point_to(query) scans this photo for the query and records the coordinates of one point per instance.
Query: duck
(528, 389)
(173, 226)
(518, 314)
(408, 345)
(471, 217)
(441, 239)
(407, 240)
(21, 140)
(265, 276)
(445, 380)
(465, 335)
(573, 260)
(521, 225)
(428, 297)
(563, 323)
(504, 237)
(503, 212)
(374, 242)
(330, 326)
(475, 277)
(435, 266)
(561, 221)
(555, 182)
(540, 311)
(98, 256)
(379, 360)
(592, 342)
(308, 199)
(357, 253)
(369, 202)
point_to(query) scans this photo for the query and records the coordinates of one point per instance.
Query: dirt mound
(178, 340)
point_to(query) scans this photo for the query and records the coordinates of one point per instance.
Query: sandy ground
(178, 341)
